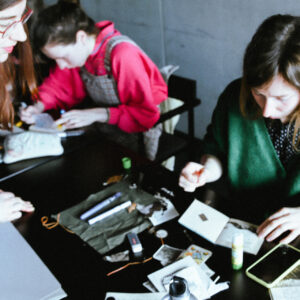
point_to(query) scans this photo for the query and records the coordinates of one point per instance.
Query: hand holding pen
(28, 113)
(194, 175)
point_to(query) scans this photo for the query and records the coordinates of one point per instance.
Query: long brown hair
(26, 75)
(274, 50)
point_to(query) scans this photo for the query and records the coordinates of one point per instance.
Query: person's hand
(11, 207)
(286, 219)
(84, 117)
(28, 113)
(193, 175)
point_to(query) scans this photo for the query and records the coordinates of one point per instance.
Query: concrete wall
(206, 38)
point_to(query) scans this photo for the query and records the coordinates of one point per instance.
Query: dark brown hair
(274, 50)
(26, 75)
(59, 24)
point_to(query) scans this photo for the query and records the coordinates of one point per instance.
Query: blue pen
(99, 206)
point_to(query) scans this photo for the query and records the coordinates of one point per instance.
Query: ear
(81, 37)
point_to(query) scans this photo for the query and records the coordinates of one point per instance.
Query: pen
(100, 205)
(70, 133)
(109, 212)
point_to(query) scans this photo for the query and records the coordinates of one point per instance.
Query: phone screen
(276, 263)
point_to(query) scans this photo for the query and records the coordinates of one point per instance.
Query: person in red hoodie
(95, 60)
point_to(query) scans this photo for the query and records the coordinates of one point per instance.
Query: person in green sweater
(253, 142)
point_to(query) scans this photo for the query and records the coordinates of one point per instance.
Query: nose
(268, 108)
(19, 34)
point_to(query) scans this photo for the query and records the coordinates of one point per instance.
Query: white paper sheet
(134, 296)
(204, 220)
(23, 276)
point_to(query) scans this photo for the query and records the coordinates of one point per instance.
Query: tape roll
(161, 234)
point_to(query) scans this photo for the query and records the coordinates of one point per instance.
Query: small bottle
(179, 290)
(237, 251)
(126, 162)
(128, 174)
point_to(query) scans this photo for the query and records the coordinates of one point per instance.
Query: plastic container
(179, 290)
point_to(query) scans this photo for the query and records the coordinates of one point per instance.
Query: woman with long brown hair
(253, 142)
(13, 38)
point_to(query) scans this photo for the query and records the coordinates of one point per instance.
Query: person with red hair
(13, 38)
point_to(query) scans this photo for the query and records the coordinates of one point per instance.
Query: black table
(65, 181)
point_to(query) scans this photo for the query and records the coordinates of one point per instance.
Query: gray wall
(206, 38)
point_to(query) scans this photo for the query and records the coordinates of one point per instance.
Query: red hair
(26, 76)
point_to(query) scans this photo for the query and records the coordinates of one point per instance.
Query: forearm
(133, 119)
(62, 89)
(99, 114)
(83, 117)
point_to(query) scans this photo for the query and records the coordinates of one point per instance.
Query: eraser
(134, 242)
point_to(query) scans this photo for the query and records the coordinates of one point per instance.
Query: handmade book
(218, 228)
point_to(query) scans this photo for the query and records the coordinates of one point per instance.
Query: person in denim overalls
(97, 61)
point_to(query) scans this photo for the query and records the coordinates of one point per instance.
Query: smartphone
(274, 265)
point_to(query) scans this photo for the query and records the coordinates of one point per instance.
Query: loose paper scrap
(164, 215)
(166, 254)
(133, 296)
(120, 256)
(252, 242)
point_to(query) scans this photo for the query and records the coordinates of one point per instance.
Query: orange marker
(198, 174)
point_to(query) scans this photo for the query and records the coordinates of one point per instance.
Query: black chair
(183, 89)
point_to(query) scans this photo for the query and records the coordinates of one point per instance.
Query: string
(133, 263)
(51, 225)
(129, 264)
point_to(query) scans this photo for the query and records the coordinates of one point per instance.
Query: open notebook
(23, 275)
(219, 228)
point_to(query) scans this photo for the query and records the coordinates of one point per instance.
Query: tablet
(274, 265)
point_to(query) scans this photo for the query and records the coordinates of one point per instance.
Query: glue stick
(237, 251)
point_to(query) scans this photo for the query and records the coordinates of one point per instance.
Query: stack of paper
(23, 276)
(200, 284)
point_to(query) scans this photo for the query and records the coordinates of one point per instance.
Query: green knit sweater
(251, 166)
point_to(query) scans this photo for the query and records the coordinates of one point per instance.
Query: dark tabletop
(65, 181)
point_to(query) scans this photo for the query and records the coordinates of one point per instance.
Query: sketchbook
(218, 228)
(23, 275)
